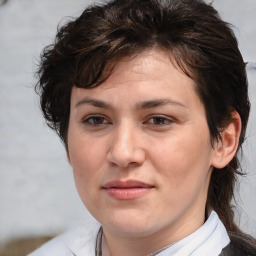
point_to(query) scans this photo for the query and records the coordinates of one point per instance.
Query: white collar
(208, 240)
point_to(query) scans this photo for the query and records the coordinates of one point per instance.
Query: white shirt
(208, 240)
(78, 242)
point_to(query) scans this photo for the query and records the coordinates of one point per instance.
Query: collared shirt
(208, 240)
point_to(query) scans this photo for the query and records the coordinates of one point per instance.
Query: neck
(116, 244)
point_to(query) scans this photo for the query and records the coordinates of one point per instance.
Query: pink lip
(127, 190)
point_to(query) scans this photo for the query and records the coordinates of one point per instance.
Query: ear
(67, 153)
(225, 149)
(68, 157)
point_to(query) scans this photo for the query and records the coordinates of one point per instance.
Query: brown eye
(95, 120)
(159, 120)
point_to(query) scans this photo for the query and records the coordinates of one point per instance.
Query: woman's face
(140, 149)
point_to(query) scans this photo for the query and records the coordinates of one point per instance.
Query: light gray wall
(37, 192)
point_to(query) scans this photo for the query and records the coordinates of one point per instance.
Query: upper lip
(126, 184)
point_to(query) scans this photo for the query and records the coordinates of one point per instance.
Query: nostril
(129, 159)
(134, 164)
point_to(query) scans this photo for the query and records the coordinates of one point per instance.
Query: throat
(102, 248)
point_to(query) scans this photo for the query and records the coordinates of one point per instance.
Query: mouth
(127, 190)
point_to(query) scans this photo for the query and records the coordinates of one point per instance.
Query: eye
(95, 120)
(159, 120)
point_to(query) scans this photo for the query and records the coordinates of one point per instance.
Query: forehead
(145, 76)
(151, 64)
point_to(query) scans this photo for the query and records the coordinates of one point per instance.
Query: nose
(126, 147)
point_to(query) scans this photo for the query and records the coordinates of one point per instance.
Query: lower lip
(127, 193)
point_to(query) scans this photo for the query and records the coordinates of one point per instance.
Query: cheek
(84, 157)
(86, 165)
(183, 172)
(183, 161)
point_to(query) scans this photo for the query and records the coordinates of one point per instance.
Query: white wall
(37, 192)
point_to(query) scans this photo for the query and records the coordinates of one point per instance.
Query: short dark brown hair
(202, 44)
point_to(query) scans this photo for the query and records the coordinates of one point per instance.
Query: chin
(131, 225)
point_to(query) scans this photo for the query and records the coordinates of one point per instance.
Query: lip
(127, 190)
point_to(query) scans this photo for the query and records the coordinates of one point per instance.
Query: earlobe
(67, 153)
(68, 158)
(226, 148)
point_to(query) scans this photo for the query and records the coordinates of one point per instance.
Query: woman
(150, 100)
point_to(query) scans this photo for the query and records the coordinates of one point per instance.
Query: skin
(114, 135)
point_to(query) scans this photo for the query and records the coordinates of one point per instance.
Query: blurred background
(37, 191)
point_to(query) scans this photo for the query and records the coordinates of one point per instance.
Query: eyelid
(160, 116)
(91, 116)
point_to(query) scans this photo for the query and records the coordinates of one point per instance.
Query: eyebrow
(158, 102)
(94, 102)
(140, 105)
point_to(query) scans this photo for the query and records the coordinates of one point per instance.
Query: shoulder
(240, 245)
(77, 242)
(56, 246)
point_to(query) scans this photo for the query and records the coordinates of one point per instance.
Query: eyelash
(93, 118)
(99, 120)
(163, 121)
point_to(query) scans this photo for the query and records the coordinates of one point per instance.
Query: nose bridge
(125, 145)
